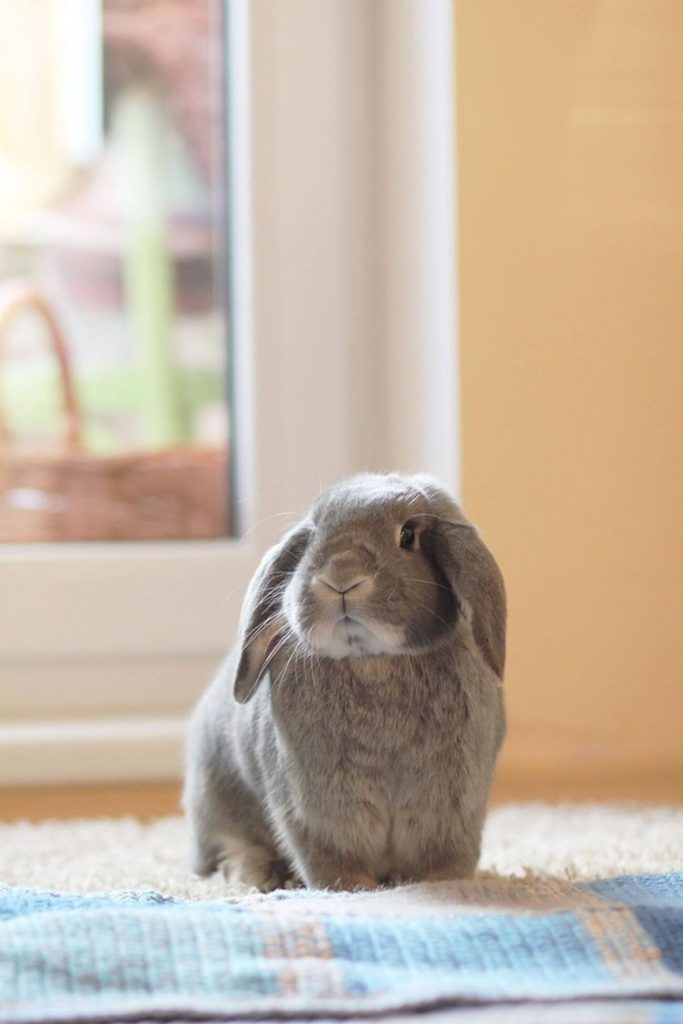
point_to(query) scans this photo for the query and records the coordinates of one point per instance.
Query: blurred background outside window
(113, 310)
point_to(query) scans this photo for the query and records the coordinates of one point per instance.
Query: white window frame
(342, 166)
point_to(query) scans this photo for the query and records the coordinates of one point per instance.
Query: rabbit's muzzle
(342, 576)
(334, 609)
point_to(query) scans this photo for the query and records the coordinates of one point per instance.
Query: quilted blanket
(494, 949)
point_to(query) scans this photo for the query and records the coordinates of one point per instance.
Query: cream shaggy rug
(579, 842)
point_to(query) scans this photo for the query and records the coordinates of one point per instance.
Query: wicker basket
(60, 492)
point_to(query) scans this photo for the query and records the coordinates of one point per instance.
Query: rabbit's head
(381, 565)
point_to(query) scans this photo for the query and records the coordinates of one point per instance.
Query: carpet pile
(571, 842)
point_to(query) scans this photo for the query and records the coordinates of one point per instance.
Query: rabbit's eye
(407, 538)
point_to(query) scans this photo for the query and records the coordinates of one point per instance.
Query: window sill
(96, 750)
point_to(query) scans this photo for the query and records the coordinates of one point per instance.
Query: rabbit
(350, 738)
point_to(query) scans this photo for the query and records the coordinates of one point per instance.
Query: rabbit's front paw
(248, 867)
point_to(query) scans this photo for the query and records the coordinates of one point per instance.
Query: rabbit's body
(359, 769)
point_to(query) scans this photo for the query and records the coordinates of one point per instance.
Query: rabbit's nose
(342, 575)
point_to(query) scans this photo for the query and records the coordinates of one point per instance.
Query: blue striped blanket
(503, 949)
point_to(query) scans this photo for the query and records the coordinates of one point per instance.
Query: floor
(150, 799)
(37, 803)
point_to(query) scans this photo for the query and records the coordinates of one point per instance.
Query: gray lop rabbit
(350, 738)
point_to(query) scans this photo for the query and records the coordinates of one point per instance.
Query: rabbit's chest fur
(384, 762)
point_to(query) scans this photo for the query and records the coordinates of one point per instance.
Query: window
(113, 275)
(342, 358)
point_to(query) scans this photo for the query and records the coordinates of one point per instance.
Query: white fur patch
(355, 639)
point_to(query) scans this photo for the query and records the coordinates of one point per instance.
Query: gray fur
(357, 752)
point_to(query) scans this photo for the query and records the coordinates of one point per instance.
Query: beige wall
(571, 275)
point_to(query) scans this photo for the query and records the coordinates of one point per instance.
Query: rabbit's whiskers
(277, 684)
(285, 573)
(262, 627)
(424, 579)
(295, 516)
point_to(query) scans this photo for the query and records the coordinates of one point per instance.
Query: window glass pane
(113, 318)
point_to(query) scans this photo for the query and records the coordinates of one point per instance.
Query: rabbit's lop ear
(262, 617)
(477, 583)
